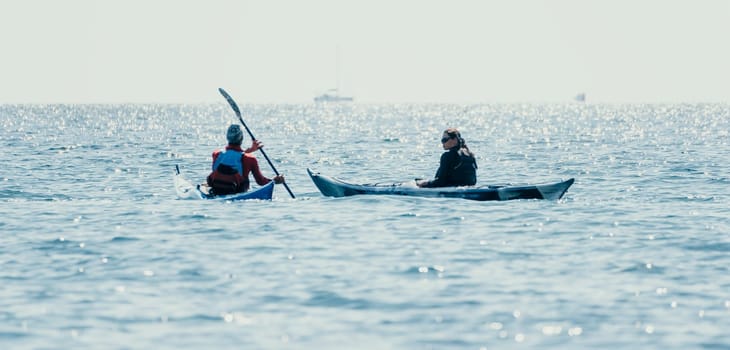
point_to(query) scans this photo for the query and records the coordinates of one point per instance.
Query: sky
(379, 51)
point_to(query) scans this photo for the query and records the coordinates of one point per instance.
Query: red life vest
(227, 176)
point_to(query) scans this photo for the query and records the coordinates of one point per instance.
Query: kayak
(334, 187)
(186, 190)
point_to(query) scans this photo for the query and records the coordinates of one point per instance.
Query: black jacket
(455, 169)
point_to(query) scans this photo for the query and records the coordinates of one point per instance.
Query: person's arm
(215, 156)
(255, 145)
(253, 165)
(441, 174)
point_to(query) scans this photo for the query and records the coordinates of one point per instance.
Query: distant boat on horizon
(581, 97)
(333, 95)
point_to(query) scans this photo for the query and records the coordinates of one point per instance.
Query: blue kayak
(334, 187)
(186, 190)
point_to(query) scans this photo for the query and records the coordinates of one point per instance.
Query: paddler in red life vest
(232, 165)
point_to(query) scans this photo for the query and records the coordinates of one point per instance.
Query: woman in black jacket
(458, 166)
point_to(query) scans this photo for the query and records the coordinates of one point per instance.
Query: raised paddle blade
(230, 101)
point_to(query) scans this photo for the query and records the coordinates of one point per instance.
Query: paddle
(238, 114)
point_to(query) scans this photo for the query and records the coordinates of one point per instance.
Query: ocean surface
(97, 252)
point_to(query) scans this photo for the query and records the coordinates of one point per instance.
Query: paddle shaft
(234, 106)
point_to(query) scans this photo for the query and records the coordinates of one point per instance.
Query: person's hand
(420, 183)
(255, 145)
(279, 179)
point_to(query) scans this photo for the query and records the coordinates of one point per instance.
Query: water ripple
(97, 251)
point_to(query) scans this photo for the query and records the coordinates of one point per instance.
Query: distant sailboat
(333, 95)
(581, 97)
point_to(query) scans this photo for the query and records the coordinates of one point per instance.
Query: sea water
(97, 252)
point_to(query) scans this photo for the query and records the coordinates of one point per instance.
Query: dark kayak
(186, 190)
(334, 187)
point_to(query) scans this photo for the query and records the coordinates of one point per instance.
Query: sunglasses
(446, 139)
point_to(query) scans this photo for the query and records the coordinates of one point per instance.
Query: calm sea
(97, 252)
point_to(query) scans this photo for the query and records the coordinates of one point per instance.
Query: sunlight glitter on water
(90, 215)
